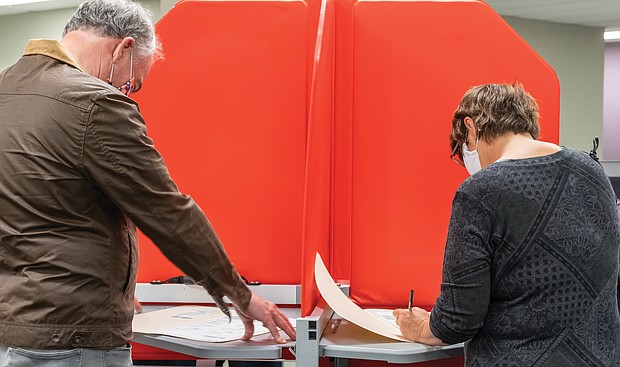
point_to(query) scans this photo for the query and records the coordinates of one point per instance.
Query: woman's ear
(470, 124)
(472, 129)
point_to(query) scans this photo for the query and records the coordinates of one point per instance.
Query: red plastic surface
(412, 62)
(227, 110)
(317, 203)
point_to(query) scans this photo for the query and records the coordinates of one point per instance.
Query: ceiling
(593, 13)
(39, 6)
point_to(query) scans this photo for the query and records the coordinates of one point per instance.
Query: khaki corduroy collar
(53, 49)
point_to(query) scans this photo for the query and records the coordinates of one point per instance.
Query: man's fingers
(271, 316)
(271, 325)
(137, 306)
(249, 328)
(283, 323)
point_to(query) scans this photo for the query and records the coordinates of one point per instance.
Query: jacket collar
(53, 49)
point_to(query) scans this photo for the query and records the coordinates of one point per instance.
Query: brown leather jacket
(76, 169)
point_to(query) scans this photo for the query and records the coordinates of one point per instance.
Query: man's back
(68, 255)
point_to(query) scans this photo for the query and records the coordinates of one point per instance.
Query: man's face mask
(126, 87)
(471, 158)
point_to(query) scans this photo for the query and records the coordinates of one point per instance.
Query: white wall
(17, 29)
(577, 55)
(611, 105)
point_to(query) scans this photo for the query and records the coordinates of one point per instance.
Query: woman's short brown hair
(496, 109)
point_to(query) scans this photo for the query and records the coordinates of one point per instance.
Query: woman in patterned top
(530, 275)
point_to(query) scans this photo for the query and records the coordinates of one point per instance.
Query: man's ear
(122, 48)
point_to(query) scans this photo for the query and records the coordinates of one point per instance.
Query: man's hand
(137, 306)
(272, 317)
(414, 326)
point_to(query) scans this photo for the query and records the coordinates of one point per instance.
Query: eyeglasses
(455, 156)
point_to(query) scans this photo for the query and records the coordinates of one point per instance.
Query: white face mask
(471, 159)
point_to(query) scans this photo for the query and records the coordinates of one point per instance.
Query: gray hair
(117, 19)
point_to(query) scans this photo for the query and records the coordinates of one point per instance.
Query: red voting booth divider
(412, 61)
(227, 110)
(319, 152)
(323, 126)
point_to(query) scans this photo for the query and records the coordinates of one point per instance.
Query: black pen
(410, 299)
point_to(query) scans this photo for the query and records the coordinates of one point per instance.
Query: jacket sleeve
(121, 159)
(462, 305)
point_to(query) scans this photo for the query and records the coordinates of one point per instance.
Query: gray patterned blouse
(530, 273)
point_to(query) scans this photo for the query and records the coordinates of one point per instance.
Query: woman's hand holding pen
(414, 325)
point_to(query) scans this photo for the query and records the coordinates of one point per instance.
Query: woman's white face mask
(471, 159)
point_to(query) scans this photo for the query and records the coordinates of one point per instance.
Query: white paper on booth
(200, 323)
(384, 314)
(348, 310)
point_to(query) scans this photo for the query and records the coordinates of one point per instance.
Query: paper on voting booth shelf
(372, 320)
(200, 323)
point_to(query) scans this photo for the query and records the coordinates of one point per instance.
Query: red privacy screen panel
(320, 148)
(227, 110)
(337, 142)
(412, 62)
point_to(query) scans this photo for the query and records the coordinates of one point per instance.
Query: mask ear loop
(130, 64)
(130, 81)
(109, 80)
(477, 139)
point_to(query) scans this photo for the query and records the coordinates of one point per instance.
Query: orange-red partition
(320, 147)
(401, 68)
(412, 61)
(227, 110)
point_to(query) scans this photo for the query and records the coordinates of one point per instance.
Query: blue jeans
(79, 357)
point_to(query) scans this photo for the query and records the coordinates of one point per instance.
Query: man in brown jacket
(77, 171)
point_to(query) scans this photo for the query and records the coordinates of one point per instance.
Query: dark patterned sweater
(530, 273)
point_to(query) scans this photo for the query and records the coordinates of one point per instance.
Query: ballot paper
(200, 323)
(375, 320)
(383, 314)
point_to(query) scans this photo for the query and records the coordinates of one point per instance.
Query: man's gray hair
(117, 19)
